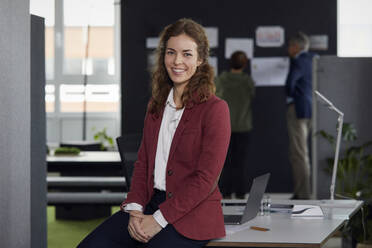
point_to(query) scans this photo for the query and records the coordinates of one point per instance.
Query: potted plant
(66, 151)
(354, 179)
(106, 141)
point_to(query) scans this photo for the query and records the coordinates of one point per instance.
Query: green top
(237, 89)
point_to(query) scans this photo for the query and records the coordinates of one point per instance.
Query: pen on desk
(260, 228)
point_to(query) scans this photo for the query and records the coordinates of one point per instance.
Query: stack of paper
(307, 211)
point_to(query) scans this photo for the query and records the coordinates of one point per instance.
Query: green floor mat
(67, 233)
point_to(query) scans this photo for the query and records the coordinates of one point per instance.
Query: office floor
(68, 234)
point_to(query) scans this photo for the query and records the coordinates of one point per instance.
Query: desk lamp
(338, 141)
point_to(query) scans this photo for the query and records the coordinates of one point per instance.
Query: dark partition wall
(234, 19)
(347, 83)
(38, 135)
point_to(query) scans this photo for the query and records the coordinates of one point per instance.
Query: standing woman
(174, 200)
(236, 87)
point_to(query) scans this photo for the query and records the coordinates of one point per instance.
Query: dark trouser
(234, 173)
(113, 233)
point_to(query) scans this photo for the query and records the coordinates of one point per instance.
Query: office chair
(127, 169)
(132, 142)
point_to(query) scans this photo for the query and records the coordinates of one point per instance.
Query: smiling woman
(181, 59)
(174, 200)
(184, 47)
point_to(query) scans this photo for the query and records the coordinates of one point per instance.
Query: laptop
(253, 203)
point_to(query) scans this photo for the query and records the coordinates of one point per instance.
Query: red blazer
(196, 158)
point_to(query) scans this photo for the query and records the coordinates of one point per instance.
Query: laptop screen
(255, 196)
(253, 203)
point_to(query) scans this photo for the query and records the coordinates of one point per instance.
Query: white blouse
(169, 124)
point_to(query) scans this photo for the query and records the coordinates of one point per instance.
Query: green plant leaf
(103, 138)
(354, 151)
(330, 138)
(110, 140)
(349, 132)
(67, 151)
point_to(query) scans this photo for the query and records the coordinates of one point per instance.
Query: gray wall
(347, 83)
(15, 131)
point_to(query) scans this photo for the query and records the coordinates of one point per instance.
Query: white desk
(291, 232)
(87, 157)
(73, 169)
(87, 163)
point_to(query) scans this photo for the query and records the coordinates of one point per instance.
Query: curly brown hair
(201, 85)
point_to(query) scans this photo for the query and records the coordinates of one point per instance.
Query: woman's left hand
(150, 226)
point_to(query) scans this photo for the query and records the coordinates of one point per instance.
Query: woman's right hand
(134, 226)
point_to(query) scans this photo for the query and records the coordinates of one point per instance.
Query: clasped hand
(142, 227)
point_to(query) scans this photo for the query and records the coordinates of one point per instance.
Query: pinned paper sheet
(212, 34)
(238, 44)
(270, 36)
(213, 61)
(270, 71)
(152, 42)
(319, 42)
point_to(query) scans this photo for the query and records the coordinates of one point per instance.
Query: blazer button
(170, 194)
(170, 172)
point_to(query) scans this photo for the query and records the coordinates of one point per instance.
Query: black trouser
(113, 233)
(234, 173)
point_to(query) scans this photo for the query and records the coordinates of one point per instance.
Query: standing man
(299, 103)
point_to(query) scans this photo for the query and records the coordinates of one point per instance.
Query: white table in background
(292, 232)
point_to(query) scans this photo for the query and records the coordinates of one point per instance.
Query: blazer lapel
(180, 128)
(155, 135)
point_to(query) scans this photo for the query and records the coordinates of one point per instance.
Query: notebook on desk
(253, 203)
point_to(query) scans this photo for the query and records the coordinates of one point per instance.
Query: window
(50, 98)
(99, 98)
(82, 65)
(45, 8)
(354, 28)
(88, 32)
